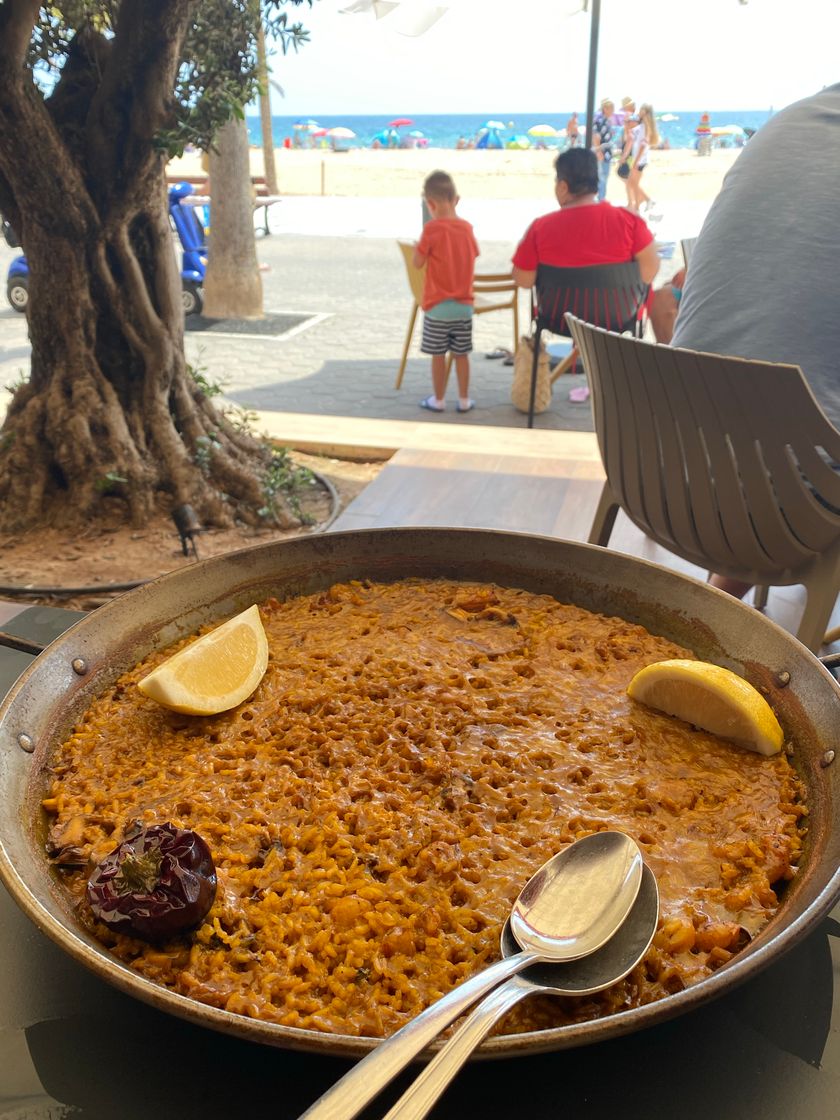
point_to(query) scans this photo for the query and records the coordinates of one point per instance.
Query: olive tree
(95, 97)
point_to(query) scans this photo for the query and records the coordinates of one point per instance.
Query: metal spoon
(578, 978)
(568, 909)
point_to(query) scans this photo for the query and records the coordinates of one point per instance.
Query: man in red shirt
(447, 249)
(583, 231)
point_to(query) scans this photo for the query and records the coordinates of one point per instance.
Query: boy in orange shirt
(447, 248)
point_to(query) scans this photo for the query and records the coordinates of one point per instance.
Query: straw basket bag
(520, 389)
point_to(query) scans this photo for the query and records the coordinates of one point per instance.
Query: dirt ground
(75, 571)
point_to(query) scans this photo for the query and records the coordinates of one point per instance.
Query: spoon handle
(367, 1078)
(422, 1093)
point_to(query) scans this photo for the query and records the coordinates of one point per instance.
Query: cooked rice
(414, 752)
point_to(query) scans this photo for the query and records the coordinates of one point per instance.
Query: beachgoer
(643, 136)
(762, 278)
(664, 305)
(447, 249)
(572, 131)
(628, 110)
(703, 143)
(603, 135)
(462, 143)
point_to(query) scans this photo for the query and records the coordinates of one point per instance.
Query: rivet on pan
(26, 743)
(783, 678)
(79, 666)
(827, 758)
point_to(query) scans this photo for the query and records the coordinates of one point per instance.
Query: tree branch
(17, 19)
(134, 99)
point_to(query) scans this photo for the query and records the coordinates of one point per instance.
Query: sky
(488, 56)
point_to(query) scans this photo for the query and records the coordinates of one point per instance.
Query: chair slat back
(687, 245)
(716, 458)
(612, 296)
(415, 275)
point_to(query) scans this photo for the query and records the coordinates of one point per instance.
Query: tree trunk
(232, 286)
(110, 406)
(265, 115)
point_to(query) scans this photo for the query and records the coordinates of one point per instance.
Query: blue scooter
(193, 238)
(190, 232)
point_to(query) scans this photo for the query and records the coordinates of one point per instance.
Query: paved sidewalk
(344, 362)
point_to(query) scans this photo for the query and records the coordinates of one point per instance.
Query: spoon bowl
(607, 965)
(578, 899)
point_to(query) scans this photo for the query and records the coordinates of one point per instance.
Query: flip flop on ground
(466, 407)
(499, 352)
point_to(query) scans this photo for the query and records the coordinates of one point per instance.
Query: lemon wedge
(216, 672)
(711, 698)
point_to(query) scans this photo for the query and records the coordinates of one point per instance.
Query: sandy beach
(677, 175)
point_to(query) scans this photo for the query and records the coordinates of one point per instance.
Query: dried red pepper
(159, 881)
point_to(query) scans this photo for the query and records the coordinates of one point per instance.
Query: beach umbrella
(398, 122)
(306, 126)
(406, 17)
(495, 125)
(341, 133)
(316, 132)
(417, 134)
(542, 130)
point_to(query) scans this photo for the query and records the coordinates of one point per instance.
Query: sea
(677, 127)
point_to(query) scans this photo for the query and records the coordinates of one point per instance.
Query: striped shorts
(442, 335)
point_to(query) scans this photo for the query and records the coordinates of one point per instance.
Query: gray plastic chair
(687, 245)
(718, 459)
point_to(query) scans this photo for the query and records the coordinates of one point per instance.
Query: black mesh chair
(612, 296)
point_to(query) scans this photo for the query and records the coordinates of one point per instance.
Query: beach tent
(489, 138)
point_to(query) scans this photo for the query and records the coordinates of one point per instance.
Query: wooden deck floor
(550, 491)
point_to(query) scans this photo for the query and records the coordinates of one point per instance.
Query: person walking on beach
(762, 279)
(572, 131)
(603, 136)
(643, 136)
(447, 250)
